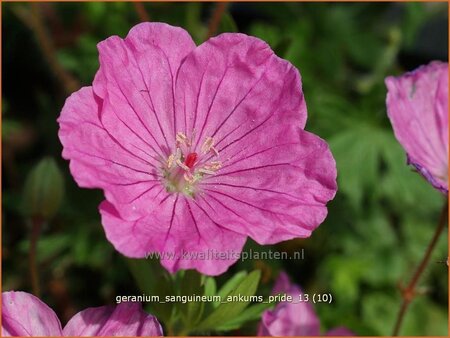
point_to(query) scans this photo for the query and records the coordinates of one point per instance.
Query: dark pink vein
(194, 220)
(171, 218)
(210, 107)
(247, 203)
(239, 103)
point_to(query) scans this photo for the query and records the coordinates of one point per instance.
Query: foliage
(378, 225)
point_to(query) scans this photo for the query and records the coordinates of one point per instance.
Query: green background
(378, 226)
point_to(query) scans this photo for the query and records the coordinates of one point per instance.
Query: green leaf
(402, 185)
(210, 286)
(230, 285)
(253, 312)
(356, 151)
(152, 279)
(191, 284)
(380, 310)
(229, 310)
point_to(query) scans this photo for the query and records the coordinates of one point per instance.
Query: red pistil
(190, 160)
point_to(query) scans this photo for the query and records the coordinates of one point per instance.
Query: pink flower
(294, 318)
(196, 148)
(417, 104)
(27, 316)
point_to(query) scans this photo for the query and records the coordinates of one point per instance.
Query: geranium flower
(417, 104)
(293, 318)
(26, 315)
(196, 148)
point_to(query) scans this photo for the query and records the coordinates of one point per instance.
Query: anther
(207, 145)
(182, 139)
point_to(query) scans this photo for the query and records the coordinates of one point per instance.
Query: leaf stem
(216, 18)
(141, 11)
(33, 19)
(36, 225)
(409, 292)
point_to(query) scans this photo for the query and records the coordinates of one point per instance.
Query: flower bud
(44, 190)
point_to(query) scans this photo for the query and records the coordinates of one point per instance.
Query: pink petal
(276, 187)
(340, 332)
(276, 178)
(417, 105)
(181, 231)
(289, 319)
(136, 80)
(26, 315)
(231, 84)
(125, 319)
(97, 159)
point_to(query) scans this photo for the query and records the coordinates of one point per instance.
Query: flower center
(185, 167)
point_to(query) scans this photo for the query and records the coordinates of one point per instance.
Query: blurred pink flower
(417, 104)
(26, 315)
(293, 318)
(196, 148)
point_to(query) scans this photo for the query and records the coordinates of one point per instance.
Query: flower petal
(289, 318)
(276, 187)
(135, 81)
(125, 319)
(98, 159)
(233, 85)
(276, 178)
(136, 78)
(417, 104)
(180, 231)
(26, 315)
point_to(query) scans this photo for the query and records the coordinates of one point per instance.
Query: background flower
(192, 152)
(417, 105)
(296, 318)
(26, 315)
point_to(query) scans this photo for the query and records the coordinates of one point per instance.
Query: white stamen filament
(207, 145)
(182, 139)
(189, 177)
(170, 161)
(182, 165)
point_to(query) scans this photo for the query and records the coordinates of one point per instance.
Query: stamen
(205, 171)
(178, 154)
(184, 168)
(189, 177)
(215, 165)
(170, 161)
(182, 165)
(207, 145)
(211, 168)
(182, 139)
(214, 151)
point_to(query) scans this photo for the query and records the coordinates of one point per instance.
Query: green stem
(36, 225)
(409, 292)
